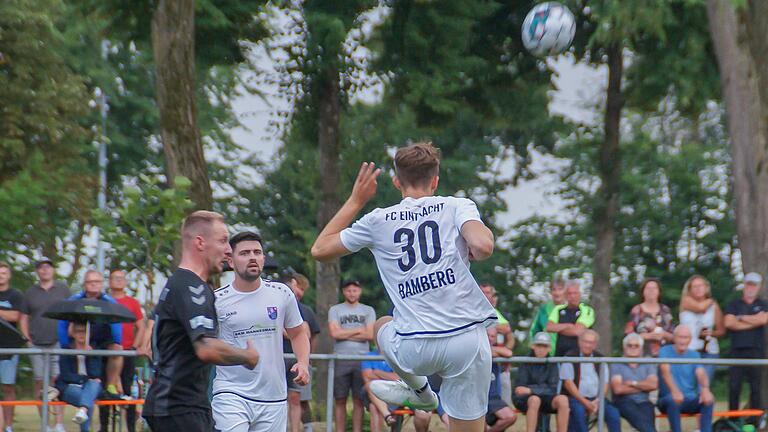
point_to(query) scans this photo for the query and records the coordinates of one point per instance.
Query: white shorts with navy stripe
(462, 360)
(233, 413)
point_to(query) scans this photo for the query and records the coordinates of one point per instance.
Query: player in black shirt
(184, 340)
(746, 318)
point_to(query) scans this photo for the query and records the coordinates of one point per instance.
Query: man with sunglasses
(631, 384)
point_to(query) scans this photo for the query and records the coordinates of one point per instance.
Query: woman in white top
(701, 313)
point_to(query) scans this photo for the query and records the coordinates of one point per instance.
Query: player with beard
(255, 311)
(184, 340)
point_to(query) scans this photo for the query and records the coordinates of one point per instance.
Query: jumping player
(422, 248)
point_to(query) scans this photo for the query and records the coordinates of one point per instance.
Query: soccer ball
(548, 29)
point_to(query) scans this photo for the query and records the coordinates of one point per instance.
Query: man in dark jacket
(536, 388)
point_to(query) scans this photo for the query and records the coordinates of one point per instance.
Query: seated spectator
(568, 320)
(376, 370)
(651, 319)
(500, 416)
(631, 384)
(581, 384)
(103, 336)
(536, 388)
(684, 387)
(79, 382)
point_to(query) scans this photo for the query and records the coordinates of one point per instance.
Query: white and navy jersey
(259, 316)
(423, 262)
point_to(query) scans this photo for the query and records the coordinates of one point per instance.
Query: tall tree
(173, 46)
(743, 66)
(747, 124)
(45, 181)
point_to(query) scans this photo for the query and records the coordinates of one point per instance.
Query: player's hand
(302, 374)
(706, 397)
(365, 184)
(252, 356)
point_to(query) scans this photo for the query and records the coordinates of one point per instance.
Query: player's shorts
(192, 421)
(463, 361)
(232, 413)
(304, 391)
(347, 378)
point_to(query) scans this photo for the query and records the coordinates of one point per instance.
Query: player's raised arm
(328, 245)
(479, 239)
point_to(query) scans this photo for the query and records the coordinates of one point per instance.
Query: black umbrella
(90, 311)
(10, 337)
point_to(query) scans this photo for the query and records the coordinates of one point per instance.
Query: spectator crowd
(561, 327)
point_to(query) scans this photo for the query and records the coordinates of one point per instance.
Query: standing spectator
(746, 319)
(41, 331)
(376, 370)
(351, 325)
(536, 388)
(299, 395)
(631, 384)
(651, 319)
(567, 321)
(132, 332)
(500, 416)
(79, 383)
(11, 307)
(684, 387)
(504, 338)
(582, 384)
(541, 318)
(703, 317)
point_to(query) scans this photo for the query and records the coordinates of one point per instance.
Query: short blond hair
(417, 164)
(199, 222)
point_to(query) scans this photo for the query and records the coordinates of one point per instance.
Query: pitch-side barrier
(47, 353)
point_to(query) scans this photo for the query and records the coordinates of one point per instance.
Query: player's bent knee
(534, 400)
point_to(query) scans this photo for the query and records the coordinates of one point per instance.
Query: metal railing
(333, 358)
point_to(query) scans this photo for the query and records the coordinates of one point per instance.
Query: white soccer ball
(548, 29)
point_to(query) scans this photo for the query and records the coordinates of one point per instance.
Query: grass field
(27, 420)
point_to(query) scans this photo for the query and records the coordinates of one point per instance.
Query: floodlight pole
(102, 197)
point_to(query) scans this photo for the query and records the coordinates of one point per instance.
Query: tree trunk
(605, 217)
(328, 274)
(746, 117)
(173, 43)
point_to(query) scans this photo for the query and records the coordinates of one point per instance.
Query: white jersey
(259, 316)
(423, 262)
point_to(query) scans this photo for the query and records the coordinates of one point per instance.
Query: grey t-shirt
(638, 373)
(350, 317)
(44, 330)
(589, 381)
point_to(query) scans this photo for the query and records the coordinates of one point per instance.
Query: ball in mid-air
(548, 29)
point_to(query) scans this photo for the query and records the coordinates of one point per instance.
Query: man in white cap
(746, 318)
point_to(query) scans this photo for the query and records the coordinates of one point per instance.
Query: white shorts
(232, 413)
(462, 360)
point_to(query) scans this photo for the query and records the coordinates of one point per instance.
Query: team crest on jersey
(272, 312)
